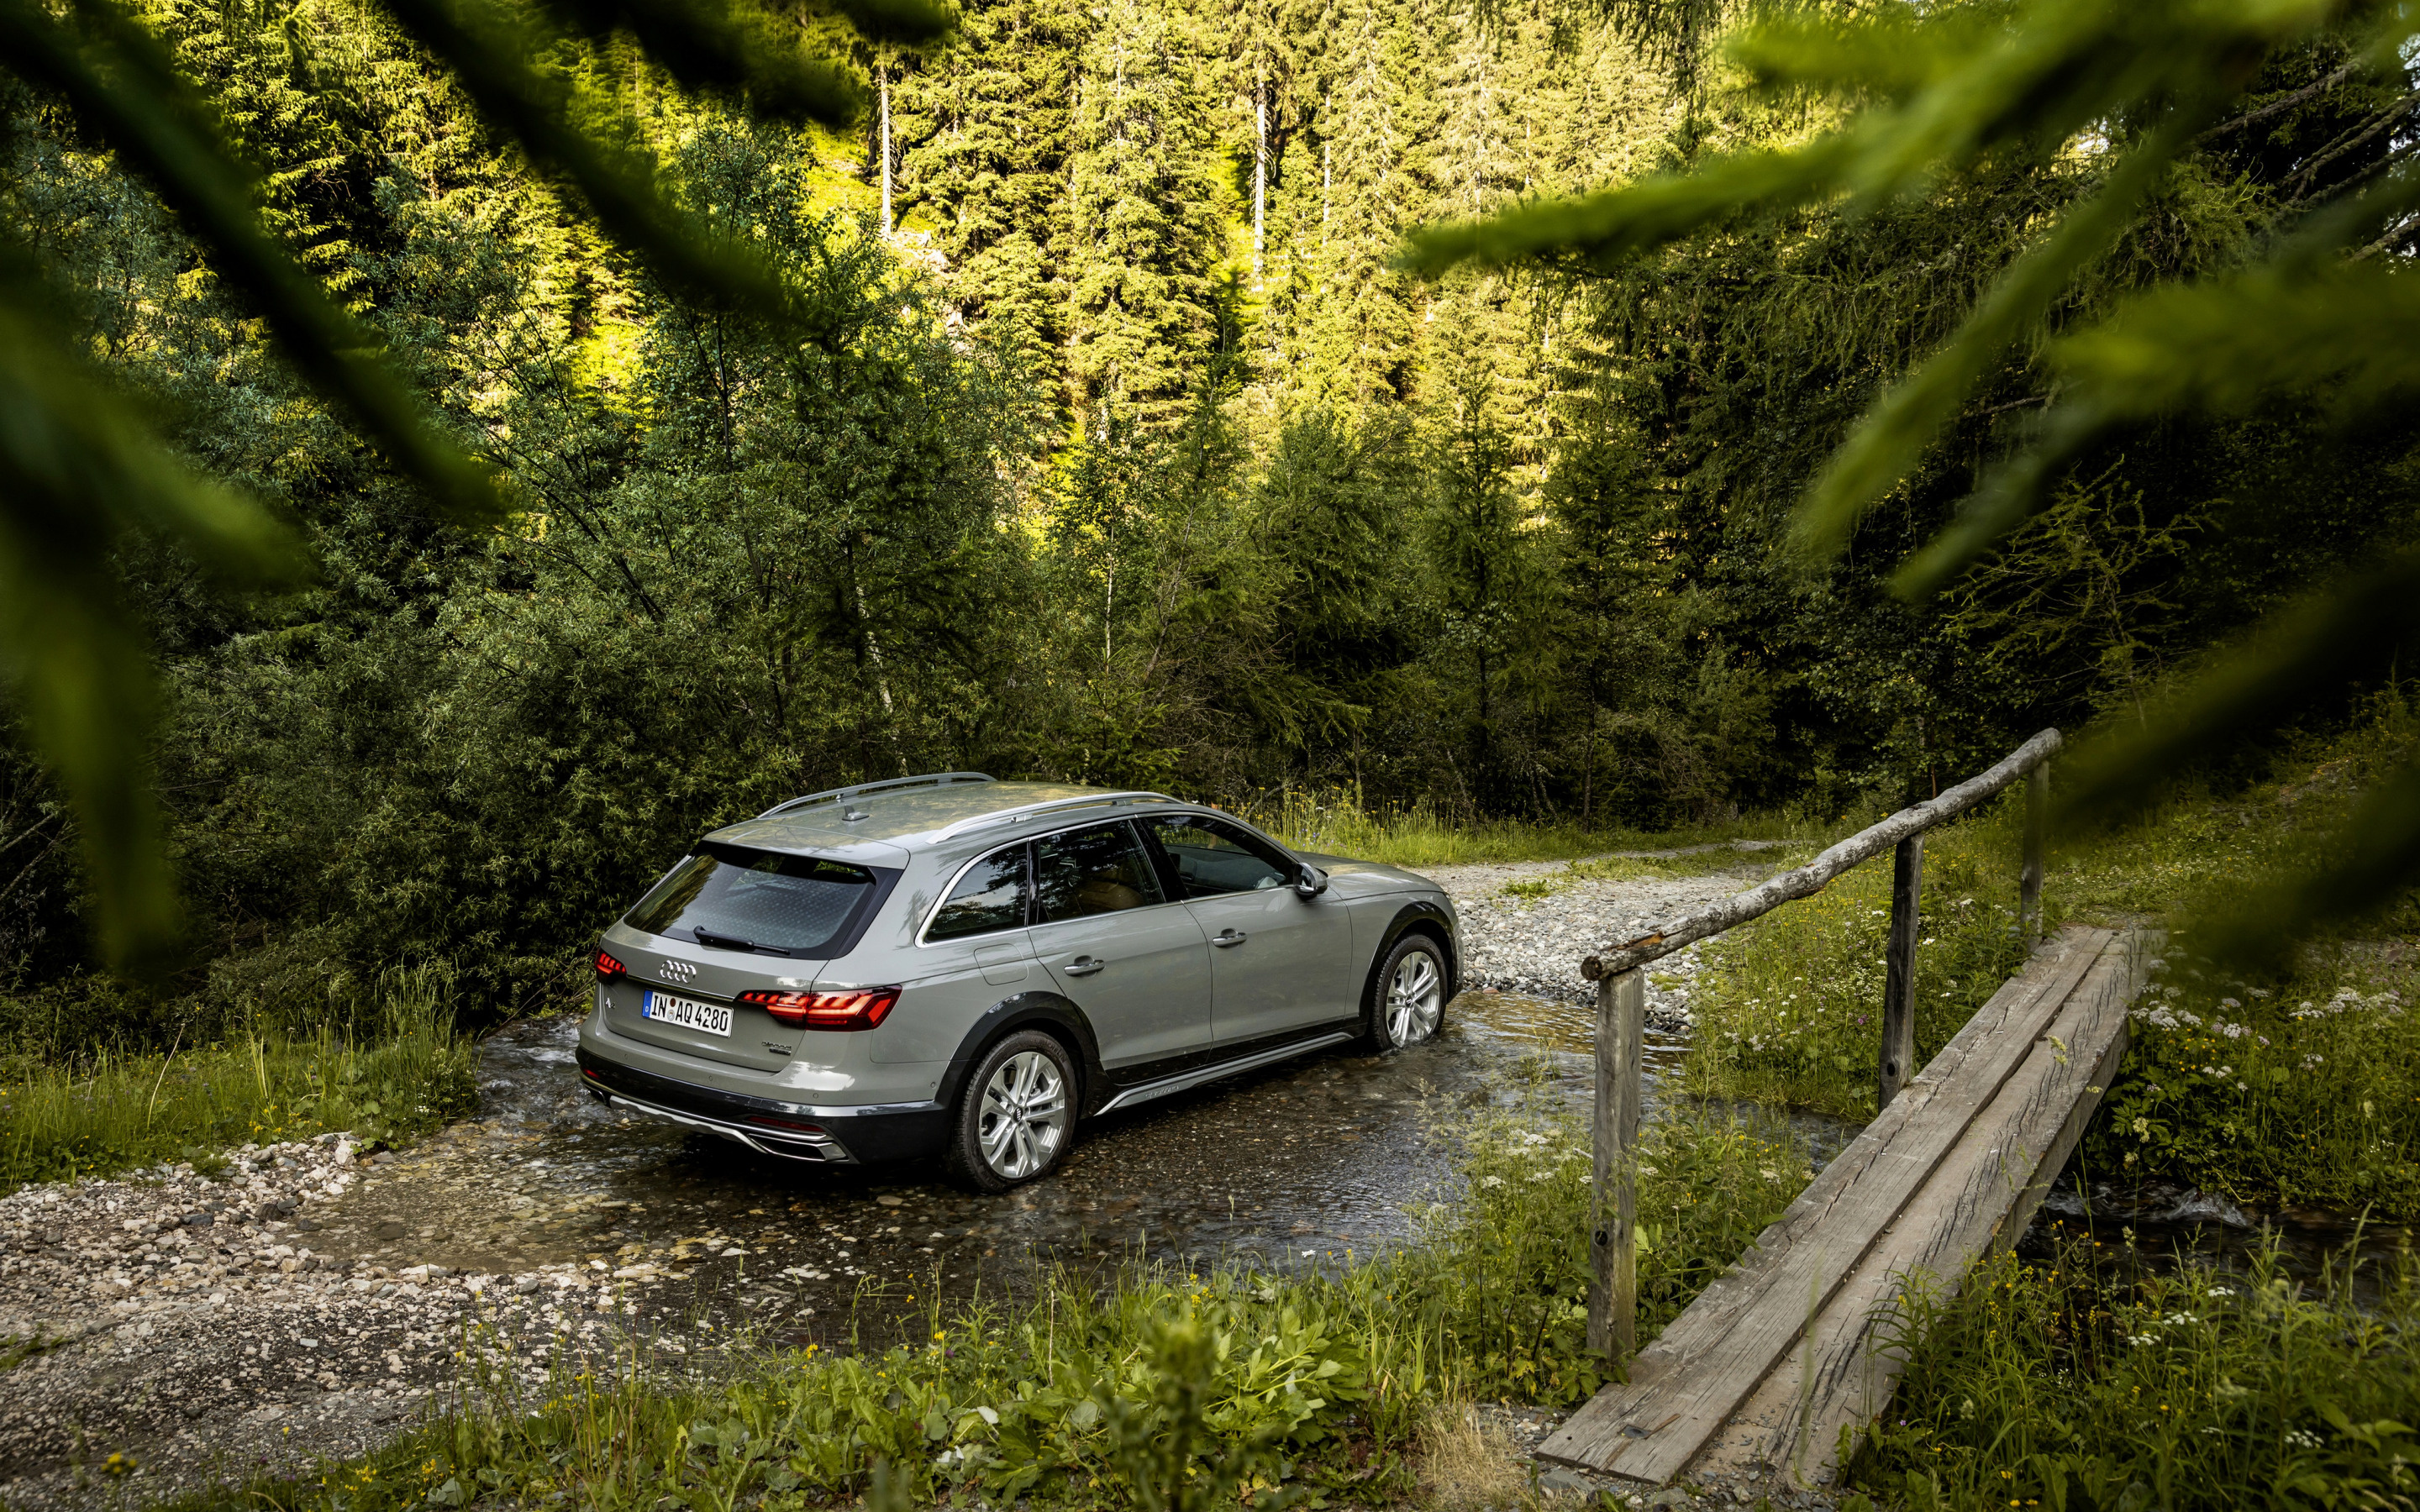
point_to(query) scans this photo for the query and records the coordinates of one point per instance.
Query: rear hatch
(732, 920)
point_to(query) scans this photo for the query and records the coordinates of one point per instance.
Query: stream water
(1292, 1167)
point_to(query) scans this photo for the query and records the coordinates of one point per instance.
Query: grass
(1339, 824)
(2302, 1090)
(1322, 1385)
(1695, 863)
(2300, 1087)
(408, 1073)
(2088, 1380)
(1787, 1007)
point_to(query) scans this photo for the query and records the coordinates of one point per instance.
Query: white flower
(1491, 1180)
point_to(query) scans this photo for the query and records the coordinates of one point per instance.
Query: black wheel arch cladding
(1045, 1010)
(1426, 919)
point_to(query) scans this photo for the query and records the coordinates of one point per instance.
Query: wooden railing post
(2029, 881)
(1613, 1191)
(1899, 982)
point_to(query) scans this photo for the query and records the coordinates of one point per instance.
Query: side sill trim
(1183, 1080)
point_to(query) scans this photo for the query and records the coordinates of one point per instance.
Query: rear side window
(739, 899)
(990, 896)
(1102, 869)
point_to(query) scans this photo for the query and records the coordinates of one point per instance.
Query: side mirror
(1309, 882)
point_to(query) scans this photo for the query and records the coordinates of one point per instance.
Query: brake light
(610, 969)
(851, 1007)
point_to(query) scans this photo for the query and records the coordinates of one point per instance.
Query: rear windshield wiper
(732, 942)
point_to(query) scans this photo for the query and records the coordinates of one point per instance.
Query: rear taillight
(610, 969)
(850, 1007)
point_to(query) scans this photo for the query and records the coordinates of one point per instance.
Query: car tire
(1407, 993)
(1017, 1114)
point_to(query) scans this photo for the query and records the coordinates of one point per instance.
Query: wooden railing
(1622, 1002)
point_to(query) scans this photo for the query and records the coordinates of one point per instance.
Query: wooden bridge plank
(1712, 1357)
(1845, 1368)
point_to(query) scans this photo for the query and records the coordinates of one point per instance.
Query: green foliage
(1935, 100)
(2087, 1379)
(1789, 1009)
(1341, 824)
(1506, 559)
(2305, 1091)
(1158, 1388)
(389, 1066)
(94, 472)
(1503, 1271)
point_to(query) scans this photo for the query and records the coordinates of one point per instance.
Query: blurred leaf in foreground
(2324, 314)
(79, 467)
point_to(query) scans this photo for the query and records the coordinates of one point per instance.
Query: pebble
(184, 1318)
(1534, 946)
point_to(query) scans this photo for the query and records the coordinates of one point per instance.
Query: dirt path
(326, 1300)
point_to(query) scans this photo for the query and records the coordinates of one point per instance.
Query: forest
(454, 454)
(1123, 446)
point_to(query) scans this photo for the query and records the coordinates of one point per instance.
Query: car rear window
(741, 899)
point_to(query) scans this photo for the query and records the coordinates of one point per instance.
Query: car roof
(919, 817)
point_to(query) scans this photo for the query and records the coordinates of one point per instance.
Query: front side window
(990, 896)
(1214, 856)
(1101, 870)
(737, 898)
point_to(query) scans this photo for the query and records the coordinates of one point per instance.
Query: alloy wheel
(1415, 999)
(1024, 1115)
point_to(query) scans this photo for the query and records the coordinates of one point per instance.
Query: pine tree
(987, 161)
(1358, 346)
(1146, 229)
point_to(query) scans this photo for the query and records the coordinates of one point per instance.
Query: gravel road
(309, 1302)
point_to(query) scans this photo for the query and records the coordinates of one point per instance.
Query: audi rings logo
(680, 971)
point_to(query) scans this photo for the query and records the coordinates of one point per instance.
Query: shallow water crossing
(1285, 1168)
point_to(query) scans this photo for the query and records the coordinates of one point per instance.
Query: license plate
(685, 1012)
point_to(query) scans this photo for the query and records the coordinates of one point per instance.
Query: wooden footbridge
(1761, 1379)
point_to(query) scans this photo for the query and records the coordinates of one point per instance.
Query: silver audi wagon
(951, 966)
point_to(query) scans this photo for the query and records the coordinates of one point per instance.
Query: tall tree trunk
(1260, 174)
(882, 78)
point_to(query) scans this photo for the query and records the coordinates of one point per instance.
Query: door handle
(1227, 937)
(1083, 965)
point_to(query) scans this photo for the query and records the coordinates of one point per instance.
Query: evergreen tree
(990, 164)
(1357, 346)
(1144, 227)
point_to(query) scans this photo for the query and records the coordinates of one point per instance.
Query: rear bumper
(790, 1130)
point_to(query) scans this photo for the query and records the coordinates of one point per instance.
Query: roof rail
(1027, 810)
(834, 794)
